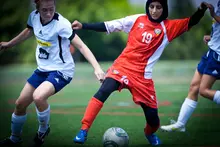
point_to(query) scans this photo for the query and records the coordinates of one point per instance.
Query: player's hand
(204, 5)
(100, 74)
(76, 25)
(211, 9)
(206, 38)
(4, 45)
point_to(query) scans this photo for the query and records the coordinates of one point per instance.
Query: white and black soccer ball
(115, 137)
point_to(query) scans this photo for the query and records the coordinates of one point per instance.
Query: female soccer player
(55, 69)
(148, 35)
(207, 72)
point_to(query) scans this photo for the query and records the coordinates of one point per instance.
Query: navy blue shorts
(210, 64)
(55, 77)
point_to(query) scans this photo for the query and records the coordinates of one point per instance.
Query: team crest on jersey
(43, 54)
(157, 31)
(115, 72)
(141, 25)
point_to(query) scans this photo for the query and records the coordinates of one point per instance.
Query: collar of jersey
(55, 17)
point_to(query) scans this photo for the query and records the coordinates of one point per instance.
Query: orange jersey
(146, 42)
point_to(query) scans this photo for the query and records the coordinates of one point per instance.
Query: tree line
(14, 15)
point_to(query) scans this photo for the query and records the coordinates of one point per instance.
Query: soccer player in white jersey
(55, 67)
(207, 72)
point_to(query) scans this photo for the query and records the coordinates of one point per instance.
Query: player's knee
(20, 106)
(194, 89)
(109, 85)
(38, 99)
(203, 92)
(102, 94)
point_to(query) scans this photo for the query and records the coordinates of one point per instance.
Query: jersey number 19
(147, 37)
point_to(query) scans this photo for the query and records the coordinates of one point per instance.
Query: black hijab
(165, 10)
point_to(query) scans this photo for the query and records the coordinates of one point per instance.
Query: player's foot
(81, 137)
(153, 140)
(8, 142)
(39, 138)
(173, 127)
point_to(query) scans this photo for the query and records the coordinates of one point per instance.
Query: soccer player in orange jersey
(148, 35)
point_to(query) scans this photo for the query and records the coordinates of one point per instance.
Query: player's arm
(217, 18)
(196, 17)
(78, 43)
(24, 35)
(124, 24)
(212, 13)
(100, 27)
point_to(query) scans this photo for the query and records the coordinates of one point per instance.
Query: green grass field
(171, 79)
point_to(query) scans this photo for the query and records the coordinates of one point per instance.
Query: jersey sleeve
(217, 8)
(124, 24)
(65, 30)
(30, 18)
(176, 27)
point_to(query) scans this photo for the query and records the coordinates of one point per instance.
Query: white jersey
(53, 43)
(214, 43)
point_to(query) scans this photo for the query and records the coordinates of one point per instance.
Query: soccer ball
(115, 137)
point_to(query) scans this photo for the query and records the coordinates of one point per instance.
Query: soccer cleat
(39, 138)
(8, 142)
(81, 137)
(153, 140)
(173, 127)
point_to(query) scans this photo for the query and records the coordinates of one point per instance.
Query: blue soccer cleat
(81, 137)
(153, 140)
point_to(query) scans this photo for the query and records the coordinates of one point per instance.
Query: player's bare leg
(188, 106)
(206, 91)
(19, 116)
(40, 96)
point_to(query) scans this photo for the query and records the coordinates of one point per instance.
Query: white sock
(17, 123)
(217, 97)
(43, 119)
(186, 111)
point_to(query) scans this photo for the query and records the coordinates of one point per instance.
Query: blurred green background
(14, 15)
(172, 75)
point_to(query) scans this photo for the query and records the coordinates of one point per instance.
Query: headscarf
(165, 10)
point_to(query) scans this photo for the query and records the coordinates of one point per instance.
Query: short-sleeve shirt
(146, 42)
(53, 43)
(214, 43)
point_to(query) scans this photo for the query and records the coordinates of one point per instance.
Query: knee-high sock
(91, 112)
(43, 119)
(17, 123)
(148, 130)
(186, 111)
(217, 97)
